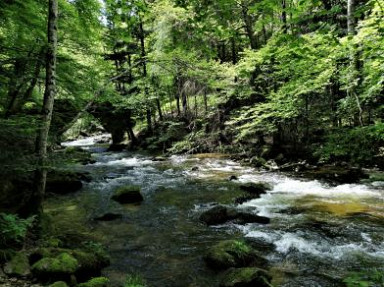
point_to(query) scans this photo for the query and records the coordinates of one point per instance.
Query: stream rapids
(318, 233)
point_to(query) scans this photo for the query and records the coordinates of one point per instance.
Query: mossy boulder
(128, 194)
(59, 284)
(232, 253)
(60, 267)
(246, 277)
(78, 155)
(89, 263)
(96, 282)
(18, 266)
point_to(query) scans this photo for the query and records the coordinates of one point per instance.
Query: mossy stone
(59, 284)
(128, 194)
(55, 267)
(96, 282)
(246, 277)
(232, 253)
(18, 266)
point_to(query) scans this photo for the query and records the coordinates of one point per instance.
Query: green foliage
(366, 278)
(134, 281)
(358, 145)
(13, 229)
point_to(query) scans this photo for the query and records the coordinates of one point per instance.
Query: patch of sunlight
(341, 208)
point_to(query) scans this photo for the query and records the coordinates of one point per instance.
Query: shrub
(13, 229)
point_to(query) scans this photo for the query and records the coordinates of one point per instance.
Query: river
(318, 233)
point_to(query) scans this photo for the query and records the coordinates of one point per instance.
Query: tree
(47, 111)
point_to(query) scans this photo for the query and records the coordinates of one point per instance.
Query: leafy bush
(13, 229)
(358, 145)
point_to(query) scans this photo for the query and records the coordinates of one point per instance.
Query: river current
(318, 233)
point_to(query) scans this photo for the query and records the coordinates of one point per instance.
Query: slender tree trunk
(354, 56)
(234, 51)
(158, 104)
(145, 73)
(205, 101)
(46, 113)
(284, 16)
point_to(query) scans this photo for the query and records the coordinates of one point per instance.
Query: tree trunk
(158, 104)
(284, 16)
(46, 113)
(354, 57)
(248, 24)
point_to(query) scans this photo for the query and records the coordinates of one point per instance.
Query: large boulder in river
(64, 182)
(128, 194)
(233, 253)
(246, 277)
(221, 214)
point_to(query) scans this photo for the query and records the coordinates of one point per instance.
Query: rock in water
(128, 194)
(233, 253)
(218, 215)
(246, 277)
(256, 189)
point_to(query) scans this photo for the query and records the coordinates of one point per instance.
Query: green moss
(232, 253)
(64, 263)
(134, 281)
(96, 282)
(18, 266)
(59, 284)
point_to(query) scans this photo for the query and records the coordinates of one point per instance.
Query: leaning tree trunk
(46, 112)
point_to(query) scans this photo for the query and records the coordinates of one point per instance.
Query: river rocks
(18, 266)
(256, 189)
(64, 182)
(52, 264)
(60, 267)
(246, 277)
(232, 178)
(109, 217)
(79, 155)
(128, 194)
(159, 158)
(232, 253)
(218, 215)
(222, 214)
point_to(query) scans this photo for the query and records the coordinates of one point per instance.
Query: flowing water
(317, 235)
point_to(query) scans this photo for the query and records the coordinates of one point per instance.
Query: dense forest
(291, 86)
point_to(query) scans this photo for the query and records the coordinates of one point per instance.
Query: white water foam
(86, 141)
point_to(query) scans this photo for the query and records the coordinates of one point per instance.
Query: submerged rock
(244, 218)
(128, 194)
(117, 147)
(336, 174)
(232, 178)
(18, 266)
(246, 277)
(232, 253)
